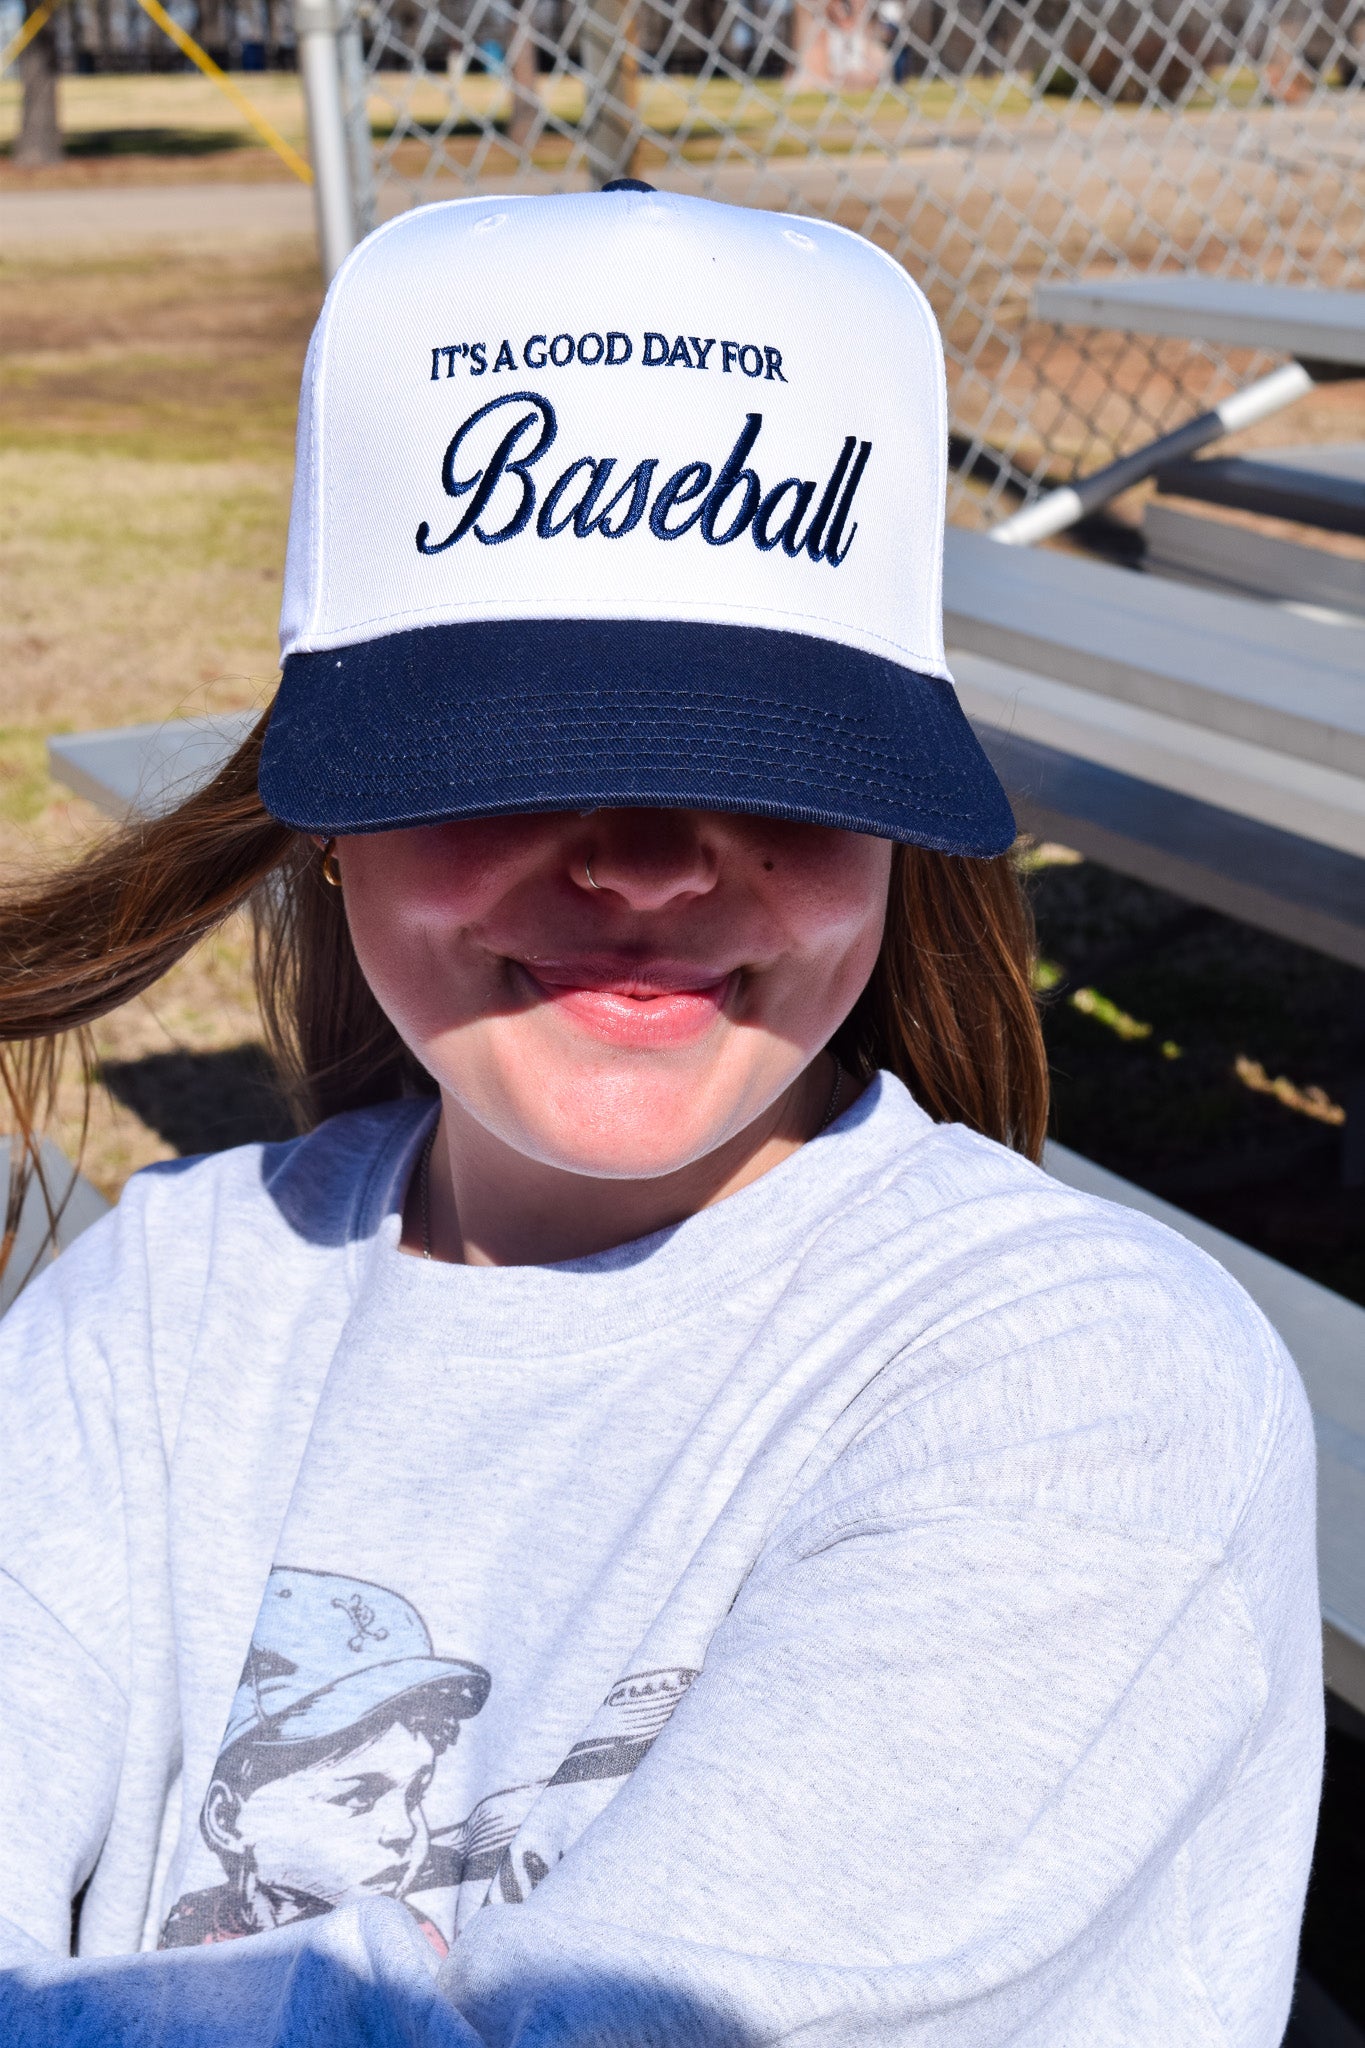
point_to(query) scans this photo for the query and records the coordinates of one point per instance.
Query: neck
(491, 1206)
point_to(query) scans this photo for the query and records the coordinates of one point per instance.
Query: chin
(622, 1129)
(624, 1153)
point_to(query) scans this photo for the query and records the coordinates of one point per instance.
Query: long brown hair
(949, 1008)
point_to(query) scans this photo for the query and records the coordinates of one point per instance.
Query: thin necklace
(424, 1185)
(429, 1145)
(835, 1093)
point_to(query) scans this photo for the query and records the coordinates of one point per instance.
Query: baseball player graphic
(341, 1713)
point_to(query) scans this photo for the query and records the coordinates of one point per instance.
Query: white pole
(356, 109)
(1059, 509)
(317, 27)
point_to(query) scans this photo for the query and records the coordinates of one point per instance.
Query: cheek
(831, 904)
(410, 900)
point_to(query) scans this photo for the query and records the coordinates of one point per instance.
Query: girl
(654, 1521)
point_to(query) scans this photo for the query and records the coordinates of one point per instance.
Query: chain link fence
(986, 144)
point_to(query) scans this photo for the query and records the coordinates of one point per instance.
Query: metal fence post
(318, 27)
(355, 104)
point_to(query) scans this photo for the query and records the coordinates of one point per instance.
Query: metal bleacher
(1322, 487)
(1287, 320)
(1204, 743)
(1214, 746)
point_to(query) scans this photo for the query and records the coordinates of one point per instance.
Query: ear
(218, 1820)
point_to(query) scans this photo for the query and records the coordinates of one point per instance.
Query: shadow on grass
(203, 1101)
(427, 131)
(1163, 1103)
(103, 142)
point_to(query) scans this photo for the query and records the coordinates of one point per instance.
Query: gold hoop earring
(331, 868)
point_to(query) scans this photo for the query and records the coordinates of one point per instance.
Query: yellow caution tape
(268, 134)
(34, 26)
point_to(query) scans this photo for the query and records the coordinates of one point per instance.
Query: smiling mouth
(650, 1006)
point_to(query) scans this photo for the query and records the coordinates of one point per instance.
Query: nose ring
(587, 869)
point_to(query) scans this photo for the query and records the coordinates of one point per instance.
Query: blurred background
(159, 275)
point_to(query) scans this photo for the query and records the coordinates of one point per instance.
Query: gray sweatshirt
(881, 1609)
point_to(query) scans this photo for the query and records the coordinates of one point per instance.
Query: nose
(647, 860)
(399, 1827)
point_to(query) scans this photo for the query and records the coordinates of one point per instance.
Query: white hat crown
(621, 406)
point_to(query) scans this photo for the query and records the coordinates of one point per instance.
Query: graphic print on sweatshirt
(323, 1786)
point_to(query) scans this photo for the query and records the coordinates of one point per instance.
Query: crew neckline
(619, 1295)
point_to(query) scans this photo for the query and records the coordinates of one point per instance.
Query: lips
(654, 1006)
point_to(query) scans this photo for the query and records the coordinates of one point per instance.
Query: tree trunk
(40, 136)
(810, 59)
(524, 78)
(611, 71)
(215, 33)
(275, 16)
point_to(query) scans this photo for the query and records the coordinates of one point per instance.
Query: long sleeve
(64, 1610)
(924, 1775)
(154, 1389)
(983, 1615)
(87, 1708)
(941, 1782)
(62, 1723)
(362, 1975)
(982, 1753)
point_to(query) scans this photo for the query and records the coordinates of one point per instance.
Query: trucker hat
(622, 498)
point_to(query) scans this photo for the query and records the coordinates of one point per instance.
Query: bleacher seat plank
(1316, 487)
(147, 768)
(1289, 320)
(1278, 789)
(1295, 887)
(1217, 554)
(1279, 681)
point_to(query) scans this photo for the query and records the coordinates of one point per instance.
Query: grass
(146, 455)
(184, 118)
(102, 142)
(145, 462)
(183, 104)
(188, 110)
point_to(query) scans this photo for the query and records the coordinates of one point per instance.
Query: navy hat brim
(504, 716)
